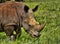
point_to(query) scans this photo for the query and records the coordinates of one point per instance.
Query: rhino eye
(29, 25)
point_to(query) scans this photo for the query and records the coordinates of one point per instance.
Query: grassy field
(48, 12)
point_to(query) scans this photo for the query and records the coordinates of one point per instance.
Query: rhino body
(14, 15)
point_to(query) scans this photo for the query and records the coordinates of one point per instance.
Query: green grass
(48, 12)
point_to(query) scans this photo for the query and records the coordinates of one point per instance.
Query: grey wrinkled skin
(14, 15)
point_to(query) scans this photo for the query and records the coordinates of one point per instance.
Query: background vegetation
(48, 12)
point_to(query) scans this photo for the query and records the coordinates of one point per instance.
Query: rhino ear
(34, 9)
(26, 8)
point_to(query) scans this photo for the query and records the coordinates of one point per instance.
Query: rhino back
(10, 13)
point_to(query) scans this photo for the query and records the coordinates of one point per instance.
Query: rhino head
(30, 24)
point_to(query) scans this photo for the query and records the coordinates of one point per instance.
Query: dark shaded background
(30, 0)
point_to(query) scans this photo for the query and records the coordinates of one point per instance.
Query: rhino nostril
(36, 35)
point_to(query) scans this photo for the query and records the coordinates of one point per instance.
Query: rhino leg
(18, 32)
(9, 32)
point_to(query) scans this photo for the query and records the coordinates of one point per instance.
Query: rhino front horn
(41, 26)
